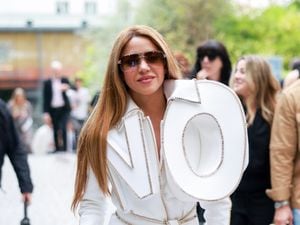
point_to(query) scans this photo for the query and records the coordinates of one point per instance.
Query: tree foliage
(101, 40)
(274, 31)
(184, 23)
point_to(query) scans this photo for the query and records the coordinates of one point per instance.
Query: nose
(143, 65)
(237, 75)
(205, 59)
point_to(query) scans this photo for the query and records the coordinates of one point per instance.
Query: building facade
(37, 32)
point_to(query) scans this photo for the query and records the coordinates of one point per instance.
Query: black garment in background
(59, 116)
(200, 214)
(95, 99)
(11, 146)
(250, 204)
(60, 119)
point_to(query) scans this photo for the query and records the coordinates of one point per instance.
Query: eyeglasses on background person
(213, 49)
(211, 55)
(132, 61)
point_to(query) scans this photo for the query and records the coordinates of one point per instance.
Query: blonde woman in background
(21, 110)
(254, 83)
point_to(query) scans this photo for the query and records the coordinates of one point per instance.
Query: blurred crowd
(262, 197)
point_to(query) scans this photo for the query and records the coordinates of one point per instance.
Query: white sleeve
(94, 205)
(217, 212)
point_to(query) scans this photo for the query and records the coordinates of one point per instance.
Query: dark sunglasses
(130, 62)
(211, 55)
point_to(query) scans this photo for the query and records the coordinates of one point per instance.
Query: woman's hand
(201, 75)
(283, 216)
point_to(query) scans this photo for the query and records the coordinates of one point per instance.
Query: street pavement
(53, 176)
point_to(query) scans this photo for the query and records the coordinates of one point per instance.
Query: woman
(183, 63)
(21, 111)
(212, 62)
(122, 138)
(254, 83)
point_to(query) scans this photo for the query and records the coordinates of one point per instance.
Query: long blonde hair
(110, 109)
(263, 88)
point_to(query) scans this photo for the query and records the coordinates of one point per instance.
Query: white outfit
(141, 188)
(43, 141)
(57, 99)
(80, 103)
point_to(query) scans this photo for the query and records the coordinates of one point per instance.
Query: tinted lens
(210, 55)
(128, 62)
(153, 57)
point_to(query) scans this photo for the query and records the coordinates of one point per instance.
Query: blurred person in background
(57, 105)
(11, 146)
(43, 140)
(94, 101)
(21, 110)
(183, 64)
(285, 157)
(294, 74)
(212, 62)
(80, 101)
(257, 87)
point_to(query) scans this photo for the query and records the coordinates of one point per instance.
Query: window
(62, 7)
(90, 8)
(4, 51)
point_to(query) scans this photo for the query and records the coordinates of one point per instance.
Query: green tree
(272, 31)
(184, 23)
(100, 44)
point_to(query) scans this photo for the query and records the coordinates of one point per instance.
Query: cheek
(160, 71)
(243, 89)
(128, 79)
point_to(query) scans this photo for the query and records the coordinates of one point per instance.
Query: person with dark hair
(294, 74)
(212, 62)
(11, 145)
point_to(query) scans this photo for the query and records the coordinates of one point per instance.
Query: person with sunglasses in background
(128, 147)
(212, 62)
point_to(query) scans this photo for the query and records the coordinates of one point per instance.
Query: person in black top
(11, 146)
(212, 62)
(254, 83)
(57, 105)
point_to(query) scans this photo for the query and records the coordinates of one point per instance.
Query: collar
(131, 110)
(186, 90)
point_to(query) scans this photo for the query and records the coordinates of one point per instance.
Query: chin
(238, 90)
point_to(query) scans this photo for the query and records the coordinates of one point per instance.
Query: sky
(43, 6)
(46, 6)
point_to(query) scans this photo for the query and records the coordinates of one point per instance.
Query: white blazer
(140, 189)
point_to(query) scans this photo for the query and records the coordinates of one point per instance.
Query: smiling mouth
(145, 79)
